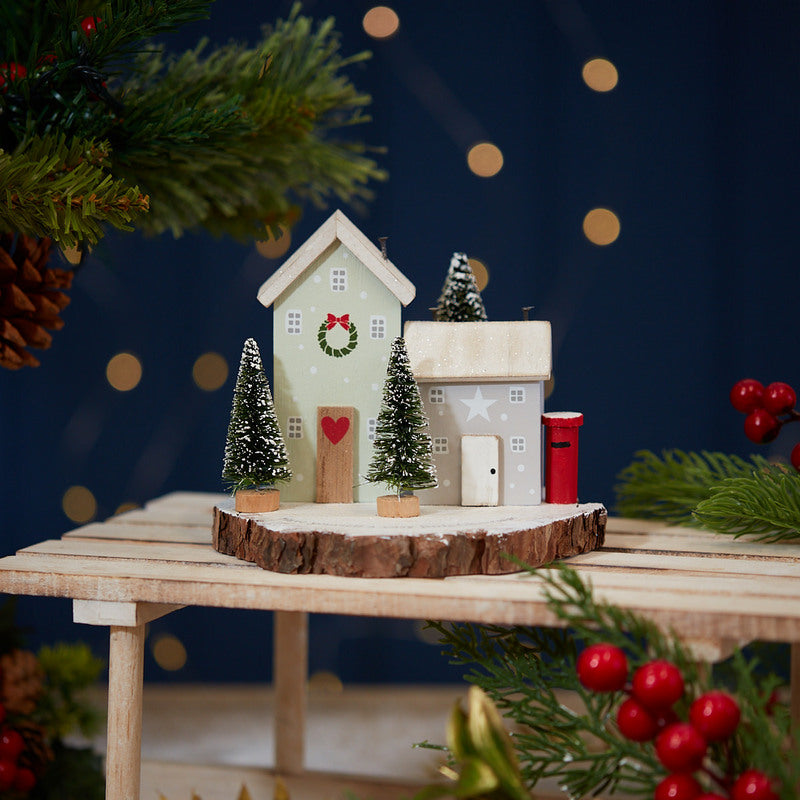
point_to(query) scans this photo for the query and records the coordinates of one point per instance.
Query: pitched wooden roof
(337, 228)
(486, 351)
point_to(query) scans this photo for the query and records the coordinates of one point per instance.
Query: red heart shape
(335, 429)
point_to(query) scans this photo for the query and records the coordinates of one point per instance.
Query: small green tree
(403, 455)
(460, 300)
(255, 453)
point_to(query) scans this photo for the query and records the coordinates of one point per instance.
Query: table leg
(290, 672)
(125, 675)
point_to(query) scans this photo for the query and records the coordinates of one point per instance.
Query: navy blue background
(695, 150)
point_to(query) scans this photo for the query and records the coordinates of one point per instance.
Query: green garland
(337, 352)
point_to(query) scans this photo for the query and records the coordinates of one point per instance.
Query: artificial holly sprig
(523, 670)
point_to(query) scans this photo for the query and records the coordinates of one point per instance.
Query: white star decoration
(478, 406)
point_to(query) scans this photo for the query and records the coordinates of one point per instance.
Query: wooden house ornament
(336, 309)
(482, 386)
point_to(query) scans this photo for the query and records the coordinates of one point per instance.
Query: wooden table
(133, 568)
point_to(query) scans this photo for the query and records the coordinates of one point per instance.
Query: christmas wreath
(329, 324)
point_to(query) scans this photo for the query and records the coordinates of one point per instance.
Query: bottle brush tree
(460, 300)
(403, 454)
(255, 453)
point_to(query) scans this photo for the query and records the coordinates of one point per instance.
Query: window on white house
(518, 444)
(294, 322)
(294, 428)
(377, 327)
(436, 394)
(371, 424)
(440, 444)
(338, 279)
(516, 394)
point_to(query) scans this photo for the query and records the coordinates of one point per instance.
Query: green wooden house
(336, 309)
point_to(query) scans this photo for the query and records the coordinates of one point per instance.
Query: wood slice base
(349, 539)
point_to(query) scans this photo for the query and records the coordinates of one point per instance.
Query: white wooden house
(336, 309)
(482, 385)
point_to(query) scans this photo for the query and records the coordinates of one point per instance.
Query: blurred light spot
(480, 272)
(123, 507)
(549, 385)
(601, 226)
(485, 159)
(210, 371)
(169, 652)
(275, 248)
(600, 74)
(426, 634)
(327, 682)
(124, 372)
(79, 504)
(381, 22)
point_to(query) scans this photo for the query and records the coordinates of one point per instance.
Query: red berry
(680, 748)
(89, 24)
(2, 713)
(657, 685)
(746, 395)
(779, 398)
(25, 780)
(11, 744)
(795, 457)
(636, 722)
(715, 715)
(8, 772)
(11, 72)
(760, 426)
(678, 787)
(753, 785)
(602, 668)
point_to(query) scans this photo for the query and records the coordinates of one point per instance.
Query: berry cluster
(767, 409)
(14, 775)
(647, 714)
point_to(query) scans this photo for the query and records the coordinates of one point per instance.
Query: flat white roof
(489, 351)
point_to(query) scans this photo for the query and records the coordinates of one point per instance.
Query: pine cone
(31, 298)
(37, 753)
(21, 680)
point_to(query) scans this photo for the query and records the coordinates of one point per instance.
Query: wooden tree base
(390, 505)
(348, 539)
(257, 501)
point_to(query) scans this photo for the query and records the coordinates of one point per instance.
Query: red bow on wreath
(344, 321)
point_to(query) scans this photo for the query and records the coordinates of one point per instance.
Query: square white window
(436, 394)
(338, 279)
(516, 394)
(440, 444)
(518, 444)
(294, 322)
(371, 424)
(377, 327)
(294, 428)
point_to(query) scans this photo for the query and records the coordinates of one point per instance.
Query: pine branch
(669, 488)
(764, 505)
(522, 670)
(50, 187)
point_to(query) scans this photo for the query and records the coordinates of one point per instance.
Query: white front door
(480, 470)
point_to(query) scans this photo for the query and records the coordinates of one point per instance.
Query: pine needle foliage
(403, 453)
(524, 670)
(669, 487)
(764, 505)
(228, 139)
(460, 300)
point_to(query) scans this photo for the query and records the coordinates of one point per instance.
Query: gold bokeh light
(169, 652)
(79, 504)
(124, 371)
(600, 75)
(273, 247)
(210, 372)
(485, 159)
(480, 271)
(381, 22)
(601, 226)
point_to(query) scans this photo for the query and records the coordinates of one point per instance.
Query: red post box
(561, 456)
